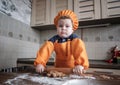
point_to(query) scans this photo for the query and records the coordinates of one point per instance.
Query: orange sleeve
(44, 53)
(79, 53)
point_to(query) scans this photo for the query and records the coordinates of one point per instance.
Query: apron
(64, 56)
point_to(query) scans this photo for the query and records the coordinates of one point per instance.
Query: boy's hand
(40, 68)
(78, 69)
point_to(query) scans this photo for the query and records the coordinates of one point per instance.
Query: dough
(54, 74)
(105, 77)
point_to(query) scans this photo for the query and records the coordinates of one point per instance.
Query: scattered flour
(44, 80)
(37, 79)
(81, 77)
(9, 81)
(47, 80)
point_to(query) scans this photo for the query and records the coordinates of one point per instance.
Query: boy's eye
(60, 25)
(63, 26)
(67, 26)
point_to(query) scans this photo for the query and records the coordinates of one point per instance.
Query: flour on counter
(38, 79)
(81, 77)
(9, 81)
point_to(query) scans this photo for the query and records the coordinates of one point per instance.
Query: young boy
(70, 50)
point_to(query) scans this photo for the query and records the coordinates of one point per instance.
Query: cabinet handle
(39, 23)
(87, 18)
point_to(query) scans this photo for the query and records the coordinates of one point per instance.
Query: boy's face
(64, 28)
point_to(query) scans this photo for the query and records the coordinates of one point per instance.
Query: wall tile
(14, 43)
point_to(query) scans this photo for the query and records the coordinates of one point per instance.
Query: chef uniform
(69, 51)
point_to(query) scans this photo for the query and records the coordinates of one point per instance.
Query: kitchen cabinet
(89, 12)
(110, 8)
(57, 5)
(87, 9)
(44, 11)
(96, 9)
(40, 12)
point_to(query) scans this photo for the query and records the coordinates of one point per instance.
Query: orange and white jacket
(69, 52)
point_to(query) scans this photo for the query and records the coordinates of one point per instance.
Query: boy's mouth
(63, 32)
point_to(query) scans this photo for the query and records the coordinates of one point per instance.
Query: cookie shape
(54, 74)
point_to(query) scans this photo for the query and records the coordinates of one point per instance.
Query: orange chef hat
(70, 14)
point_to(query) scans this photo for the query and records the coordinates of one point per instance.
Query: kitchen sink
(77, 82)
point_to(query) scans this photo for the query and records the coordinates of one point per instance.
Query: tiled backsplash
(17, 40)
(99, 50)
(12, 28)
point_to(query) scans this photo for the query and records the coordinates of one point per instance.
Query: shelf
(85, 24)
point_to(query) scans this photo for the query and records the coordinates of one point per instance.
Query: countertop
(26, 75)
(25, 78)
(93, 63)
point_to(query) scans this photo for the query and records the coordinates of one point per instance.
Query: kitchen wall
(98, 40)
(17, 9)
(17, 38)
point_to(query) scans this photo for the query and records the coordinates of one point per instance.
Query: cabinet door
(87, 9)
(40, 12)
(110, 8)
(57, 5)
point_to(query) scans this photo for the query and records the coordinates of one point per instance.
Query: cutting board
(64, 70)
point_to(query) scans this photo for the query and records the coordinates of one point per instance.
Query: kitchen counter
(25, 74)
(29, 78)
(93, 63)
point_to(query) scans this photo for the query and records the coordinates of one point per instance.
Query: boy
(70, 50)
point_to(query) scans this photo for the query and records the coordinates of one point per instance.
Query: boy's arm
(44, 53)
(79, 53)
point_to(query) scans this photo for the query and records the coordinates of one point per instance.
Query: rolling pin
(64, 70)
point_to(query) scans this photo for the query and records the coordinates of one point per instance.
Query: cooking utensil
(64, 70)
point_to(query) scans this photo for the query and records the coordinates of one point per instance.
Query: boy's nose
(63, 27)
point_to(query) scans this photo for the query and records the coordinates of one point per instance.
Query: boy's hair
(66, 17)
